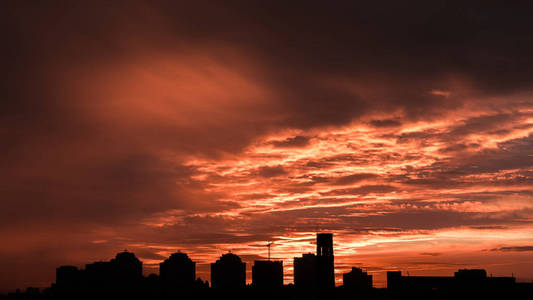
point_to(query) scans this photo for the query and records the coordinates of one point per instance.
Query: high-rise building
(324, 244)
(178, 271)
(316, 271)
(267, 274)
(228, 272)
(305, 271)
(127, 267)
(357, 279)
(325, 260)
(99, 274)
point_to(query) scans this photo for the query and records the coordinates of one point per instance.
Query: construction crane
(268, 246)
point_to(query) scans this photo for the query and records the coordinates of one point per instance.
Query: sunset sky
(406, 129)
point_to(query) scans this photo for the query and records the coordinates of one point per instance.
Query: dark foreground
(520, 291)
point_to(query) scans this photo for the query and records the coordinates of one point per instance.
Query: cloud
(431, 253)
(297, 141)
(271, 171)
(514, 249)
(365, 189)
(354, 178)
(385, 123)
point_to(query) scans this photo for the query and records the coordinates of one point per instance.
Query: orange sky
(207, 128)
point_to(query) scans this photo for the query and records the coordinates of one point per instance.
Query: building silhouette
(122, 273)
(228, 272)
(357, 279)
(306, 271)
(464, 279)
(68, 278)
(267, 274)
(177, 271)
(98, 276)
(316, 271)
(126, 267)
(325, 260)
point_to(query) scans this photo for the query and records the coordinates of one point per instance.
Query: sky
(406, 129)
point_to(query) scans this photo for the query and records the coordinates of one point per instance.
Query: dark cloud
(354, 178)
(514, 249)
(454, 148)
(438, 219)
(431, 253)
(362, 190)
(297, 141)
(511, 154)
(273, 171)
(384, 42)
(385, 123)
(489, 227)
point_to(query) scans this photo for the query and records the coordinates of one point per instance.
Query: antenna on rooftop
(268, 246)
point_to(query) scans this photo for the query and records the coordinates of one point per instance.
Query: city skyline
(178, 272)
(123, 276)
(405, 129)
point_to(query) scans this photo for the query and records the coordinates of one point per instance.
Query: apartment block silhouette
(229, 271)
(267, 274)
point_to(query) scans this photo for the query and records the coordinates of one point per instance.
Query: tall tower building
(318, 270)
(324, 244)
(325, 260)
